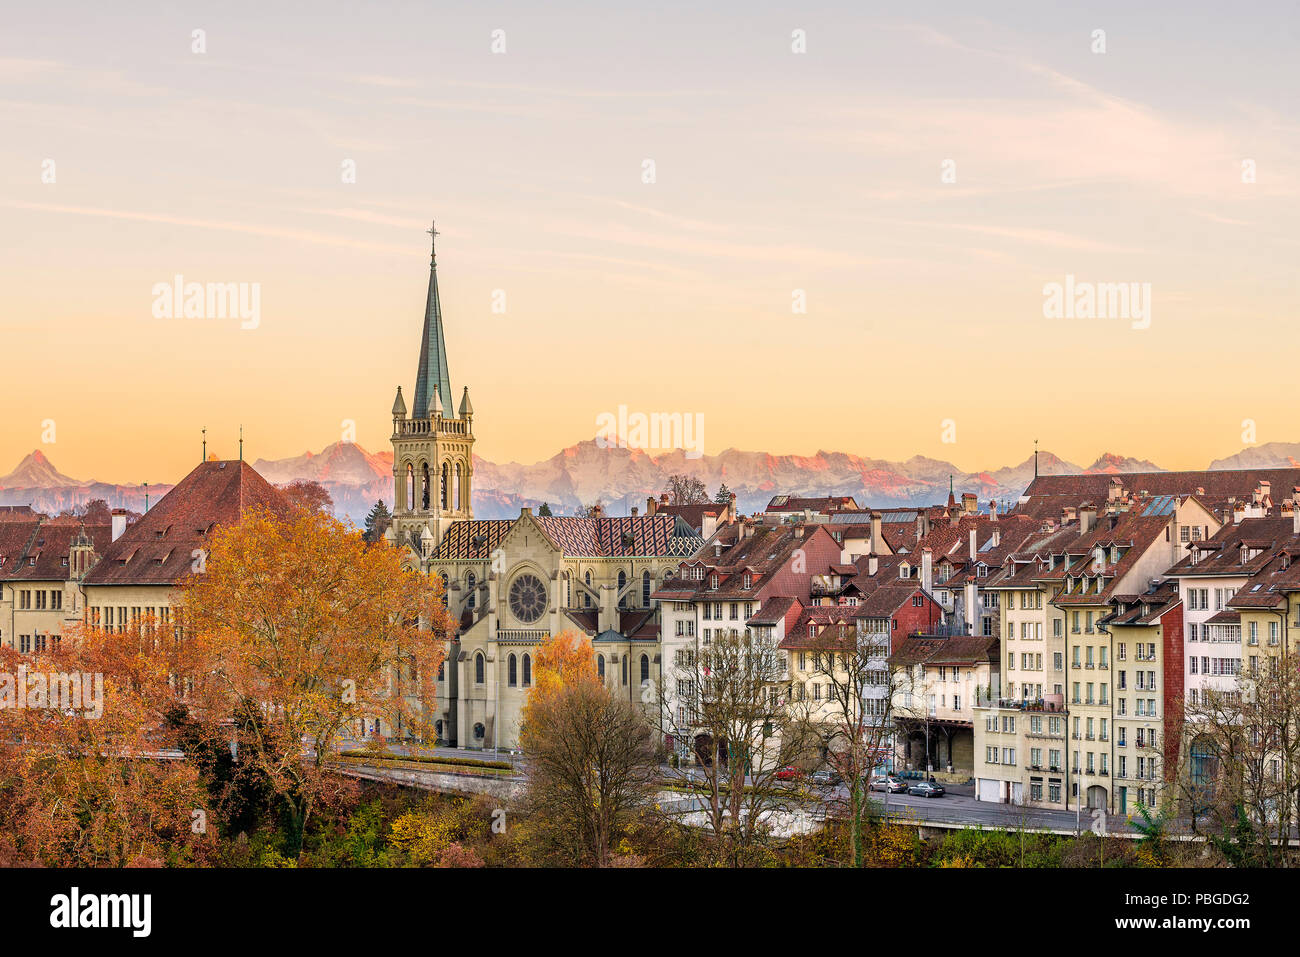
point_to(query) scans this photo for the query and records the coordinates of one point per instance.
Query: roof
(158, 548)
(1048, 494)
(431, 376)
(658, 534)
(929, 650)
(45, 553)
(825, 503)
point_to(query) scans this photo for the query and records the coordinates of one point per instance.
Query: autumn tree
(306, 630)
(684, 489)
(94, 785)
(307, 494)
(855, 718)
(591, 761)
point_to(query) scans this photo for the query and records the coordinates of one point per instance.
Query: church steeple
(433, 450)
(432, 376)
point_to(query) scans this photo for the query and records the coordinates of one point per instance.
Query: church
(511, 583)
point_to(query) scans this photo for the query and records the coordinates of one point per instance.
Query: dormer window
(812, 630)
(749, 580)
(713, 581)
(904, 570)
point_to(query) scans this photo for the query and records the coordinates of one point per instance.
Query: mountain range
(621, 479)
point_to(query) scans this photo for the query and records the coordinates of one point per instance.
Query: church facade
(511, 583)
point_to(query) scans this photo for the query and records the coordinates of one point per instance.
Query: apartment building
(740, 581)
(1214, 571)
(1143, 739)
(938, 681)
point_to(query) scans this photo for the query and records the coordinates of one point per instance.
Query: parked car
(890, 784)
(789, 773)
(826, 777)
(926, 789)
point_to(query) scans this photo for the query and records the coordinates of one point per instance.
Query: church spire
(432, 377)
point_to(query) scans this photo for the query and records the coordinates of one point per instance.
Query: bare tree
(685, 490)
(731, 701)
(591, 768)
(1237, 777)
(856, 717)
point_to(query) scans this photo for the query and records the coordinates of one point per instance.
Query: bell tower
(433, 446)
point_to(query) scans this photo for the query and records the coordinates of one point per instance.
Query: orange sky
(775, 172)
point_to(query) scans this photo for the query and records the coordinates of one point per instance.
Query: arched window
(528, 671)
(470, 583)
(512, 680)
(478, 668)
(443, 493)
(446, 586)
(645, 589)
(600, 666)
(410, 488)
(586, 596)
(625, 669)
(622, 583)
(645, 668)
(456, 488)
(424, 495)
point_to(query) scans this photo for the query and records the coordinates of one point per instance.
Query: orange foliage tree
(94, 784)
(305, 629)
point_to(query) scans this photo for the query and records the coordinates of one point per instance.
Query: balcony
(1053, 704)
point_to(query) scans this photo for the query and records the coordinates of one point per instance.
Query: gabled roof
(158, 548)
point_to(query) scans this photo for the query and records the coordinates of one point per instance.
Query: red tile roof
(158, 548)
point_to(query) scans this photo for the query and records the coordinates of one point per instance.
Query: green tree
(545, 510)
(377, 522)
(723, 496)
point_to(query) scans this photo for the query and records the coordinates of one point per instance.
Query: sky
(914, 178)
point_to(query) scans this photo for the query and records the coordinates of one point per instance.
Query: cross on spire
(433, 233)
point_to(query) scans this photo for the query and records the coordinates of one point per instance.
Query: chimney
(1116, 490)
(920, 525)
(997, 536)
(1067, 514)
(969, 503)
(597, 511)
(1295, 517)
(993, 510)
(634, 511)
(526, 510)
(1087, 518)
(650, 505)
(972, 609)
(731, 508)
(875, 532)
(927, 571)
(873, 564)
(972, 545)
(663, 500)
(119, 523)
(798, 531)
